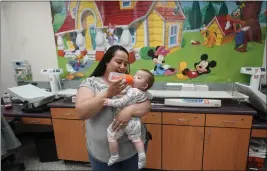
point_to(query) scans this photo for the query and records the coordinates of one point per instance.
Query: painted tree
(195, 16)
(58, 13)
(186, 10)
(220, 8)
(250, 14)
(56, 7)
(223, 9)
(209, 13)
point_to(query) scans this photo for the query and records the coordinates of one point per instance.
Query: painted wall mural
(178, 41)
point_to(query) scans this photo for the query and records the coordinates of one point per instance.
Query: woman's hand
(121, 119)
(138, 110)
(115, 87)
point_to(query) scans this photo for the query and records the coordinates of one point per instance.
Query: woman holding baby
(90, 106)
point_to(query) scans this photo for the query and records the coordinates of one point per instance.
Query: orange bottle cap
(129, 79)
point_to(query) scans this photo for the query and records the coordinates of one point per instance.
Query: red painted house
(137, 23)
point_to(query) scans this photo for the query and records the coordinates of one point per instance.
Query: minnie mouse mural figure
(158, 59)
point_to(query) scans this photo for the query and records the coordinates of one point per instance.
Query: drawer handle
(201, 135)
(67, 114)
(187, 120)
(183, 120)
(208, 137)
(35, 121)
(232, 122)
(83, 124)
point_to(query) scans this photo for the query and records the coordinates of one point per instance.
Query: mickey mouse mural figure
(158, 59)
(201, 67)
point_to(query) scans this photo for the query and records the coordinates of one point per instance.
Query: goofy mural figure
(240, 28)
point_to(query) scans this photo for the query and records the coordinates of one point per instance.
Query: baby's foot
(141, 160)
(113, 159)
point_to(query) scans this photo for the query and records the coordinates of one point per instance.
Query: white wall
(26, 33)
(6, 54)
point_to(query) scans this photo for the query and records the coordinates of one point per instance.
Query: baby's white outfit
(133, 128)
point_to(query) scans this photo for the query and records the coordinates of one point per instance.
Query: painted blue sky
(230, 4)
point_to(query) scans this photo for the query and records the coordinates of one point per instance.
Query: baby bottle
(115, 76)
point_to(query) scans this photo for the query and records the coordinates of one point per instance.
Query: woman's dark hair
(102, 65)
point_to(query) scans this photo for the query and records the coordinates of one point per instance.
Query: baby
(143, 80)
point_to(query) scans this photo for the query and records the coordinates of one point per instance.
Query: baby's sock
(113, 158)
(141, 160)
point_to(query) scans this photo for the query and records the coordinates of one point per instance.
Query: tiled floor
(28, 155)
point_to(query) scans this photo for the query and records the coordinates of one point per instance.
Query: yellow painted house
(166, 26)
(223, 33)
(151, 23)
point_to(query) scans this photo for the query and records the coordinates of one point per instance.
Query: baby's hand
(106, 102)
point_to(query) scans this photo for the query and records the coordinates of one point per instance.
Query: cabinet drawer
(259, 133)
(38, 121)
(184, 119)
(64, 113)
(233, 121)
(152, 117)
(70, 139)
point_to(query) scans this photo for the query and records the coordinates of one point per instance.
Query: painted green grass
(228, 60)
(62, 64)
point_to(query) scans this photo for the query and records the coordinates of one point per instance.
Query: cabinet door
(154, 147)
(225, 148)
(182, 147)
(70, 139)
